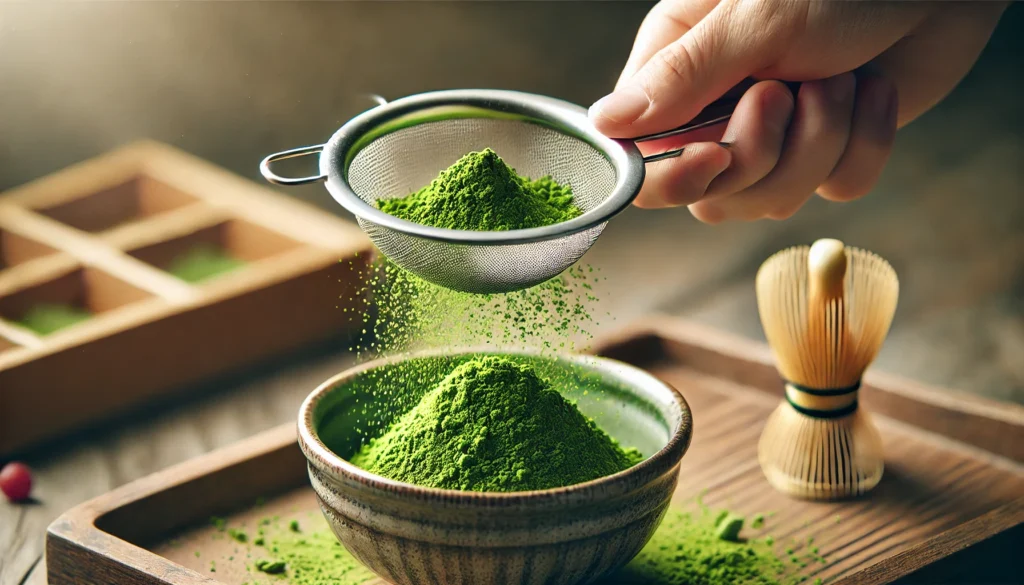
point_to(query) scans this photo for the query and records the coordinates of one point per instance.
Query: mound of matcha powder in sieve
(494, 425)
(482, 193)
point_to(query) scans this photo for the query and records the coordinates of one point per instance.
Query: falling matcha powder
(493, 424)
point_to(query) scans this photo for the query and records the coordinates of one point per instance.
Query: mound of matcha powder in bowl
(494, 425)
(480, 192)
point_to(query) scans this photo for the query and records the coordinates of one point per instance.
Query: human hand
(832, 138)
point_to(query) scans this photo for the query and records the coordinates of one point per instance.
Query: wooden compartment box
(128, 277)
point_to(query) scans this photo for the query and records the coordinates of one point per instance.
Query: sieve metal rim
(338, 152)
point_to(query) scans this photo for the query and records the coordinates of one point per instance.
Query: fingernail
(725, 144)
(622, 106)
(841, 87)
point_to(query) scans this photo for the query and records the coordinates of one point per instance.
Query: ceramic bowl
(412, 535)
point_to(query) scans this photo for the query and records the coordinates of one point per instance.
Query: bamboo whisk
(826, 310)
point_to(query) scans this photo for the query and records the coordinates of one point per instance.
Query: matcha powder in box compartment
(47, 318)
(202, 262)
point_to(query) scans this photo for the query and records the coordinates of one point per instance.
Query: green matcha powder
(202, 262)
(687, 549)
(47, 318)
(482, 193)
(494, 425)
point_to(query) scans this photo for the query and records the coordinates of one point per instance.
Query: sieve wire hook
(276, 179)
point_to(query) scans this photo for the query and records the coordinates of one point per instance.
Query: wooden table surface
(948, 212)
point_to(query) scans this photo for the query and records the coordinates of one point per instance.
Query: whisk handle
(273, 177)
(716, 112)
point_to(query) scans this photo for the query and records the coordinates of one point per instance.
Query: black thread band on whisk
(825, 391)
(837, 413)
(849, 409)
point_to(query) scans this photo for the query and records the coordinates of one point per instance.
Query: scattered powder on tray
(47, 318)
(482, 193)
(203, 261)
(685, 550)
(704, 548)
(494, 425)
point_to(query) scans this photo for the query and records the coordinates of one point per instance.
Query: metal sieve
(398, 147)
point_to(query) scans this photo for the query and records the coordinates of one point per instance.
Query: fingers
(814, 144)
(756, 133)
(683, 180)
(871, 138)
(686, 75)
(665, 23)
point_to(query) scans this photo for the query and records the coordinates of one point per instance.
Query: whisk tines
(826, 310)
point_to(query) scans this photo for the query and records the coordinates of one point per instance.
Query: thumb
(678, 81)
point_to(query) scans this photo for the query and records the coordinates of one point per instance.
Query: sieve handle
(716, 112)
(293, 153)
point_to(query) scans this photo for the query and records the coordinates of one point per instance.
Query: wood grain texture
(937, 496)
(163, 333)
(257, 77)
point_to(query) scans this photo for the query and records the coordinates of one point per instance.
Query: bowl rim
(318, 455)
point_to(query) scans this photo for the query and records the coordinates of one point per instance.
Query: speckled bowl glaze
(412, 535)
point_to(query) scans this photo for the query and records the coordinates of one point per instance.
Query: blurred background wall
(234, 81)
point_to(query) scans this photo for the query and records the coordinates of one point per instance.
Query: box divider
(19, 335)
(92, 251)
(165, 226)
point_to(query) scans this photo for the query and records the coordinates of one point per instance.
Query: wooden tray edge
(75, 533)
(940, 546)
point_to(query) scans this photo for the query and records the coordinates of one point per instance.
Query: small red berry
(16, 481)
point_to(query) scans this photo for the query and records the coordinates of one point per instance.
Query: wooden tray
(940, 494)
(98, 235)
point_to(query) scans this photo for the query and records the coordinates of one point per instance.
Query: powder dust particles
(687, 549)
(478, 192)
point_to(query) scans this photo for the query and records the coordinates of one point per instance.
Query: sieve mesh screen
(405, 160)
